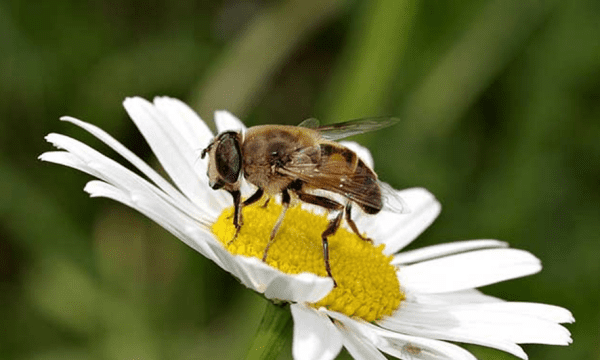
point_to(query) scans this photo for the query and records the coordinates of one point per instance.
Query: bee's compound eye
(228, 157)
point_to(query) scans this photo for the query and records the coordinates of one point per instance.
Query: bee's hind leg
(334, 224)
(353, 224)
(331, 229)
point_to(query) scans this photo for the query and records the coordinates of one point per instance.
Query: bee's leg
(330, 230)
(353, 224)
(333, 226)
(266, 202)
(254, 198)
(237, 213)
(285, 201)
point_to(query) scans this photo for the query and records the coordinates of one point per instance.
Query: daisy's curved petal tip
(224, 120)
(130, 99)
(162, 102)
(166, 98)
(68, 118)
(138, 107)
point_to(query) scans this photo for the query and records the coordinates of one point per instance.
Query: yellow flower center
(367, 285)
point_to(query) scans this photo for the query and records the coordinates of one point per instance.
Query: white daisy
(403, 304)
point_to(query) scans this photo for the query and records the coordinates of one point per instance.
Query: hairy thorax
(267, 149)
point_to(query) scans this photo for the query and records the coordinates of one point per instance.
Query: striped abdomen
(350, 176)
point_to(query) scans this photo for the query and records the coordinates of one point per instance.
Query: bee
(285, 160)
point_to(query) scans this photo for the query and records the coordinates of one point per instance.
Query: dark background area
(500, 109)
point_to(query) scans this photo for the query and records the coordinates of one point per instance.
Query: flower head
(403, 304)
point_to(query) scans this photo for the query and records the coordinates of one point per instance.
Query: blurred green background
(500, 108)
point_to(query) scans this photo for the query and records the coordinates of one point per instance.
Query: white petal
(468, 270)
(500, 325)
(232, 264)
(187, 123)
(398, 230)
(275, 284)
(516, 327)
(315, 336)
(138, 163)
(497, 325)
(98, 188)
(176, 156)
(521, 323)
(436, 251)
(358, 345)
(422, 348)
(63, 158)
(226, 121)
(363, 153)
(469, 296)
(438, 323)
(88, 160)
(301, 287)
(413, 347)
(543, 311)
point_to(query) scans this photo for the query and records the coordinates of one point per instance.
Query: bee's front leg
(264, 206)
(254, 198)
(237, 213)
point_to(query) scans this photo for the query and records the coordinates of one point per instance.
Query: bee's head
(224, 161)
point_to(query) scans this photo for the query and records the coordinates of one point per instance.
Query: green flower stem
(274, 330)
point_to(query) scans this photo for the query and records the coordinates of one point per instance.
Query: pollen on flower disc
(367, 285)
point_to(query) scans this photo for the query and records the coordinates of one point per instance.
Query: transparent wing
(391, 200)
(310, 123)
(353, 127)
